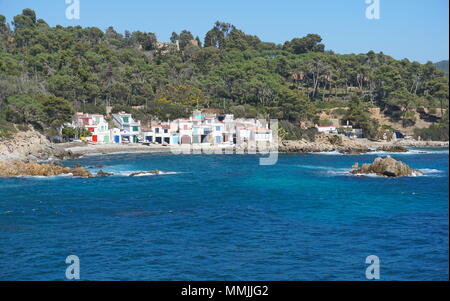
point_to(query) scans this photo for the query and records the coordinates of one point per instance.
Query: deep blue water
(225, 217)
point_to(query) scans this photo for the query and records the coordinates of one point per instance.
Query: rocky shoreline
(20, 168)
(32, 146)
(344, 145)
(324, 143)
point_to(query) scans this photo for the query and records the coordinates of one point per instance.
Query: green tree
(309, 43)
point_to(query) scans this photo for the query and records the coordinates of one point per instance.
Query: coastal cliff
(29, 145)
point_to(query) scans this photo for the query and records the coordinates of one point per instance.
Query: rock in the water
(101, 173)
(386, 167)
(81, 172)
(142, 173)
(20, 168)
(393, 149)
(95, 166)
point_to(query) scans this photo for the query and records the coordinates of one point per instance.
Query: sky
(413, 29)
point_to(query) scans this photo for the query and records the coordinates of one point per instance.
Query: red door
(94, 138)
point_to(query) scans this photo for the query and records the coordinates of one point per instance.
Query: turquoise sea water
(225, 217)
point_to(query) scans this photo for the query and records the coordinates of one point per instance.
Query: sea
(226, 217)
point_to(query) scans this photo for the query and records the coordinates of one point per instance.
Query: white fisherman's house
(185, 131)
(162, 133)
(130, 130)
(252, 131)
(327, 129)
(95, 124)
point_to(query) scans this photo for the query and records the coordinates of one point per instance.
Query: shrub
(292, 132)
(436, 132)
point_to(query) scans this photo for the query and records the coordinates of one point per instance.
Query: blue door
(116, 139)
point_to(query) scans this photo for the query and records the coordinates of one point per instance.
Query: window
(125, 119)
(218, 128)
(166, 131)
(135, 129)
(156, 130)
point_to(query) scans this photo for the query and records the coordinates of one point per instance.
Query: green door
(134, 139)
(106, 139)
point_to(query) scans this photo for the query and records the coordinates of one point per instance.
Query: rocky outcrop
(20, 168)
(388, 167)
(324, 143)
(143, 173)
(102, 173)
(81, 172)
(393, 149)
(62, 154)
(29, 145)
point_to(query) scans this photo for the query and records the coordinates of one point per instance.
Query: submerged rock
(20, 168)
(386, 167)
(141, 173)
(393, 149)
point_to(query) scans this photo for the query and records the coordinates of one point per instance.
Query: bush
(6, 129)
(436, 132)
(291, 132)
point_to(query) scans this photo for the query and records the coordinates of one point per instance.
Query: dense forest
(47, 73)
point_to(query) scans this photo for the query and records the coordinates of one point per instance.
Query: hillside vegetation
(47, 73)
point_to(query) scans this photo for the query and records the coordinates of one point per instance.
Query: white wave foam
(327, 169)
(45, 177)
(367, 175)
(410, 152)
(145, 173)
(431, 172)
(329, 153)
